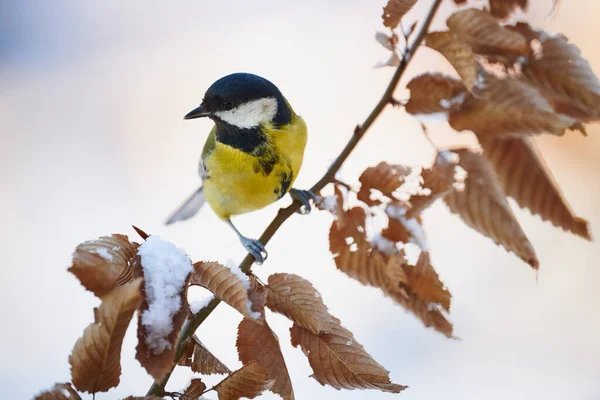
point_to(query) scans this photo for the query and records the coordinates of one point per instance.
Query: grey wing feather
(189, 208)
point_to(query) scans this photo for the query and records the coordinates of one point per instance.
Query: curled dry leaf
(60, 391)
(338, 360)
(426, 284)
(384, 177)
(204, 361)
(439, 180)
(395, 10)
(565, 78)
(508, 107)
(434, 93)
(485, 35)
(355, 256)
(457, 52)
(297, 299)
(257, 342)
(194, 390)
(105, 263)
(526, 178)
(503, 8)
(224, 284)
(483, 206)
(96, 357)
(249, 381)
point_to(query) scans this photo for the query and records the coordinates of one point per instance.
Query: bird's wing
(189, 208)
(209, 146)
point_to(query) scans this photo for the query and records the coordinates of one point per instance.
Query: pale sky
(92, 99)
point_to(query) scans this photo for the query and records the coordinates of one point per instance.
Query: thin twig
(284, 213)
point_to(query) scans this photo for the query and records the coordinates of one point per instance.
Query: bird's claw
(256, 248)
(303, 197)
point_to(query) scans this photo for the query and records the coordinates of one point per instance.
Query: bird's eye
(227, 105)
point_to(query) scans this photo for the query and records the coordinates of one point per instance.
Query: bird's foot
(304, 197)
(256, 248)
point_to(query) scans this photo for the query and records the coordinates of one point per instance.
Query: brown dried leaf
(248, 381)
(60, 391)
(355, 256)
(224, 284)
(482, 205)
(297, 299)
(105, 263)
(395, 10)
(565, 78)
(481, 31)
(194, 390)
(508, 107)
(338, 360)
(526, 178)
(205, 362)
(257, 342)
(503, 8)
(96, 357)
(426, 284)
(433, 93)
(439, 180)
(457, 52)
(384, 177)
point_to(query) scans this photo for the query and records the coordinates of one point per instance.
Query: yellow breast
(239, 182)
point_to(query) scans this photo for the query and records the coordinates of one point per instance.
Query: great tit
(252, 155)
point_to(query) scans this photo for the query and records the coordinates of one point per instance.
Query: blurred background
(92, 99)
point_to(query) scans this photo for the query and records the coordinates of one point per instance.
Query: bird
(252, 155)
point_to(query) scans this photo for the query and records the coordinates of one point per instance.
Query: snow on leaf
(297, 299)
(526, 178)
(508, 107)
(249, 381)
(395, 10)
(226, 283)
(105, 263)
(257, 342)
(60, 391)
(166, 270)
(384, 271)
(482, 205)
(457, 52)
(480, 30)
(440, 179)
(384, 177)
(434, 93)
(96, 357)
(565, 78)
(338, 360)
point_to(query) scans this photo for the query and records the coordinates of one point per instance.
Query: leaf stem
(283, 214)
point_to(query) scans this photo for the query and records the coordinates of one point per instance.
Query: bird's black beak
(197, 113)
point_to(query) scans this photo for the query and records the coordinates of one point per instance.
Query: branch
(284, 213)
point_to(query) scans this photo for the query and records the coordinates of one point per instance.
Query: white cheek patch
(250, 114)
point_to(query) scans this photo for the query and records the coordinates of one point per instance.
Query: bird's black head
(244, 101)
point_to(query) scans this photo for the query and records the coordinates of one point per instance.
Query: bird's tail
(189, 208)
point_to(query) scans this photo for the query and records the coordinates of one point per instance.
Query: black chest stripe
(246, 140)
